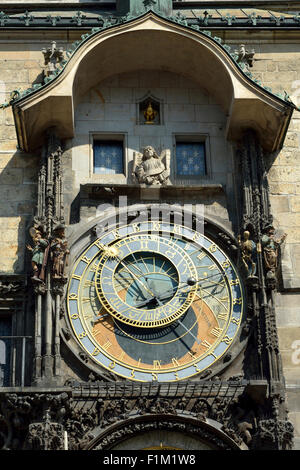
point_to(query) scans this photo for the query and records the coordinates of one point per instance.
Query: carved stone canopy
(125, 48)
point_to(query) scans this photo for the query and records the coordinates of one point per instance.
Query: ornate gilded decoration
(149, 110)
(165, 308)
(150, 114)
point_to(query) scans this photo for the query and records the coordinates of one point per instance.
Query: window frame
(193, 138)
(108, 136)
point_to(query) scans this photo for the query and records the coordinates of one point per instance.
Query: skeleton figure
(151, 169)
(248, 252)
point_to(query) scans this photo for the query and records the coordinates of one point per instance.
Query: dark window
(190, 158)
(108, 157)
(5, 348)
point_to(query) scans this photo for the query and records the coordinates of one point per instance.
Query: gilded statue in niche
(150, 114)
(151, 169)
(149, 110)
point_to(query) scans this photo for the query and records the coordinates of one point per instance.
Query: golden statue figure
(150, 114)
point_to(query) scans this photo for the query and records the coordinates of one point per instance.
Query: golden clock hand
(190, 282)
(135, 277)
(180, 323)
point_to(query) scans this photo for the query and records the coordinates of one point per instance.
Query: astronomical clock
(155, 301)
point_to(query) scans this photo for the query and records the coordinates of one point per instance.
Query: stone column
(49, 283)
(255, 221)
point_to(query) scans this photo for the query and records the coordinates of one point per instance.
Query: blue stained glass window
(190, 158)
(108, 157)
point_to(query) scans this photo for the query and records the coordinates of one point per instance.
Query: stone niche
(111, 110)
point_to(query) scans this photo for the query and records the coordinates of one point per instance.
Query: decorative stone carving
(39, 252)
(245, 57)
(59, 253)
(274, 434)
(248, 254)
(78, 424)
(8, 287)
(52, 57)
(45, 435)
(130, 429)
(151, 169)
(270, 246)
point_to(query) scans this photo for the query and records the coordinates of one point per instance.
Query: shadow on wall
(18, 192)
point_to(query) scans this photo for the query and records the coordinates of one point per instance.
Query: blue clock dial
(144, 278)
(155, 301)
(145, 289)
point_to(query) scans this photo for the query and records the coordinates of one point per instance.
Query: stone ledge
(100, 191)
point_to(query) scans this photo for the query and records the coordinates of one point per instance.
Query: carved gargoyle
(53, 56)
(151, 169)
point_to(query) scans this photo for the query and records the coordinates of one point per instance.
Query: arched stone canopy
(208, 433)
(152, 42)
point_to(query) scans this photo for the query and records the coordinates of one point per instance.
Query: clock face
(155, 301)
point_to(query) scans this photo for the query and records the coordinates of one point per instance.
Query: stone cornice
(112, 22)
(235, 75)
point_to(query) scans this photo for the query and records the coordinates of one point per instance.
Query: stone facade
(109, 108)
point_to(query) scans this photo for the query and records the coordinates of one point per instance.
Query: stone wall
(111, 107)
(21, 65)
(277, 65)
(18, 170)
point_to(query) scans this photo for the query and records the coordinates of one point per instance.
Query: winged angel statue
(150, 168)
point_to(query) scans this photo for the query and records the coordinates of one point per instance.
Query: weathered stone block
(295, 252)
(294, 202)
(295, 418)
(288, 219)
(12, 176)
(7, 132)
(288, 65)
(282, 188)
(280, 77)
(293, 234)
(289, 158)
(260, 66)
(287, 174)
(287, 337)
(292, 139)
(17, 76)
(279, 204)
